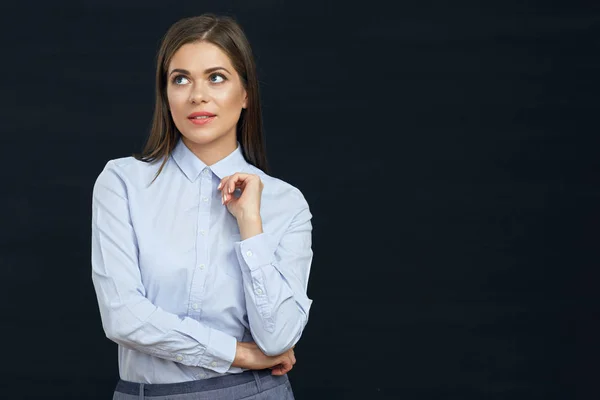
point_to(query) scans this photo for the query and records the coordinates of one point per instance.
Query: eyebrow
(206, 71)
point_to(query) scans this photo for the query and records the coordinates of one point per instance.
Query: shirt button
(258, 291)
(179, 358)
(249, 253)
(201, 266)
(195, 306)
(213, 364)
(205, 199)
(202, 232)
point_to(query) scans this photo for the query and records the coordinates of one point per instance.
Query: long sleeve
(128, 317)
(275, 279)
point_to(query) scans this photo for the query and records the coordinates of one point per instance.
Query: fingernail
(219, 187)
(229, 190)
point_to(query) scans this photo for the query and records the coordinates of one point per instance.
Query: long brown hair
(224, 32)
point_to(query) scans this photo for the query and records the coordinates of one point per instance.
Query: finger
(220, 187)
(286, 370)
(223, 192)
(241, 179)
(281, 370)
(232, 183)
(275, 369)
(221, 183)
(226, 191)
(229, 186)
(286, 364)
(292, 357)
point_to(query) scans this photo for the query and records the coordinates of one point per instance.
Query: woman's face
(209, 83)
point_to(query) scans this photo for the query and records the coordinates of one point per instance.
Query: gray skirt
(261, 385)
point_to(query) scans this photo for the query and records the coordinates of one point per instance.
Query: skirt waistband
(219, 382)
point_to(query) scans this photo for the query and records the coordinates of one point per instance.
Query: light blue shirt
(176, 285)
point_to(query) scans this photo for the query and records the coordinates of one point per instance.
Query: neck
(212, 152)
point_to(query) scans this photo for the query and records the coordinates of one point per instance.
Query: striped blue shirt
(176, 285)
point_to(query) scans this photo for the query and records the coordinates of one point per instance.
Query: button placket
(199, 276)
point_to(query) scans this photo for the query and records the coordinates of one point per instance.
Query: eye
(219, 75)
(174, 80)
(223, 79)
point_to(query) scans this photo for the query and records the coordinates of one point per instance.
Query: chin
(203, 138)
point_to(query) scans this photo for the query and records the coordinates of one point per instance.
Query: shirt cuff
(257, 250)
(220, 352)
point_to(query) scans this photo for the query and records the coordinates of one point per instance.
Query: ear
(245, 102)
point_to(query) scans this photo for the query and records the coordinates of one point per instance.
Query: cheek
(175, 100)
(229, 100)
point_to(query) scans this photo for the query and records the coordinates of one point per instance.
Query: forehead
(198, 56)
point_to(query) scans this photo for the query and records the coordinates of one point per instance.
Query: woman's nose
(197, 94)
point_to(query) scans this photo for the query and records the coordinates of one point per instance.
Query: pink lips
(201, 121)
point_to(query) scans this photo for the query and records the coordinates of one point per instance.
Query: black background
(448, 151)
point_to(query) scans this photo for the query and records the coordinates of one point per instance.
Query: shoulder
(125, 171)
(280, 190)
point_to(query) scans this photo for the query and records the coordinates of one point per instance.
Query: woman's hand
(249, 355)
(248, 204)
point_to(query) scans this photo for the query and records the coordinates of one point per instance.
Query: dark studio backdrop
(448, 151)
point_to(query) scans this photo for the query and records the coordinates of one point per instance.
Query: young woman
(200, 259)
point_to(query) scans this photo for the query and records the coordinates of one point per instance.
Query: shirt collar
(192, 165)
